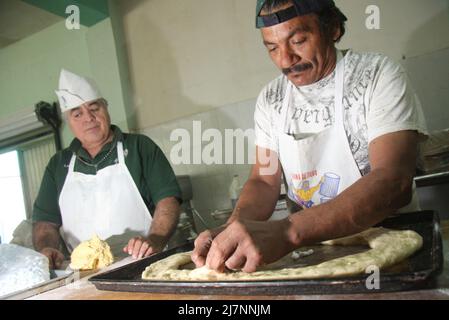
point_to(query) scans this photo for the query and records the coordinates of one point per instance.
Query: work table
(82, 289)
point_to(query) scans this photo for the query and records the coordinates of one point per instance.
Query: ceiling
(19, 20)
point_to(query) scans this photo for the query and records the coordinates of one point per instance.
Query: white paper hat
(75, 90)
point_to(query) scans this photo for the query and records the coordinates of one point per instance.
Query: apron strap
(285, 107)
(339, 89)
(72, 163)
(120, 155)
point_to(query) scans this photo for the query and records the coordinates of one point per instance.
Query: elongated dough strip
(387, 247)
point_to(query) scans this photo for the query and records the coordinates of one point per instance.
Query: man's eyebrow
(92, 102)
(301, 28)
(74, 109)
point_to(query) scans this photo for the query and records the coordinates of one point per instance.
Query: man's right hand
(55, 257)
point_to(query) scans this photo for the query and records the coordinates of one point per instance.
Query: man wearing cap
(349, 121)
(105, 183)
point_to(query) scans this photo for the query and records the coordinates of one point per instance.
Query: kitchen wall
(429, 73)
(210, 182)
(29, 69)
(204, 60)
(190, 56)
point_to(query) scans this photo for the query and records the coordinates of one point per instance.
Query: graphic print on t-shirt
(305, 186)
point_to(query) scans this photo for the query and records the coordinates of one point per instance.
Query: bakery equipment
(186, 230)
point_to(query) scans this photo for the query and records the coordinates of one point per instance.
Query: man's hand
(140, 247)
(202, 245)
(45, 240)
(248, 244)
(55, 257)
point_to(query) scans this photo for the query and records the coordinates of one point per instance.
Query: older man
(106, 182)
(349, 121)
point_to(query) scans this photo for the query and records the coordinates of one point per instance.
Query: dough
(387, 247)
(91, 254)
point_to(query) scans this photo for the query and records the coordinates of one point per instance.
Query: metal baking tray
(417, 272)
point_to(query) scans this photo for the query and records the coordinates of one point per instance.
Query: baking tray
(417, 272)
(58, 278)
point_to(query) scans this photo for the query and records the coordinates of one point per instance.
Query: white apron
(107, 204)
(320, 167)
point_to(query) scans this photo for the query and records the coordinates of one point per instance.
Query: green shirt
(148, 166)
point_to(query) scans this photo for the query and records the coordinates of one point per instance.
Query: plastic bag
(21, 268)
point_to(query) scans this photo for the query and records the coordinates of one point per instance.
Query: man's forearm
(45, 235)
(165, 220)
(257, 201)
(364, 204)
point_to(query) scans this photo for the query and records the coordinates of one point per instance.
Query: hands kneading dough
(387, 247)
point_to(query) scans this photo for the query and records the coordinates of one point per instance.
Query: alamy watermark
(373, 280)
(72, 22)
(372, 22)
(210, 147)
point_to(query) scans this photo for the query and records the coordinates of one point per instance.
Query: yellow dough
(387, 247)
(91, 254)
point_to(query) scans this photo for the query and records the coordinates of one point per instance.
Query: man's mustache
(297, 68)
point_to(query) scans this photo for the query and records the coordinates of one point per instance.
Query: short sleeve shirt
(148, 166)
(378, 99)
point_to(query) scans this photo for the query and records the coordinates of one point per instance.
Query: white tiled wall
(210, 183)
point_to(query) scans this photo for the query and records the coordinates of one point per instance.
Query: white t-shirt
(378, 99)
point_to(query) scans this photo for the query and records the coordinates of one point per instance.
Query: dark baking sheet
(419, 271)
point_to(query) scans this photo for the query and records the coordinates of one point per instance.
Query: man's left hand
(140, 247)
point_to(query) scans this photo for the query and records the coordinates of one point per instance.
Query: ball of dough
(91, 254)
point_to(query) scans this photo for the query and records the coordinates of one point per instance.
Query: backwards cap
(299, 8)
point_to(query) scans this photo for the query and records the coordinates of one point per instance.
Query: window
(33, 159)
(28, 139)
(12, 205)
(21, 173)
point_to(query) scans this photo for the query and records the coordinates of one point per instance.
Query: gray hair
(103, 101)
